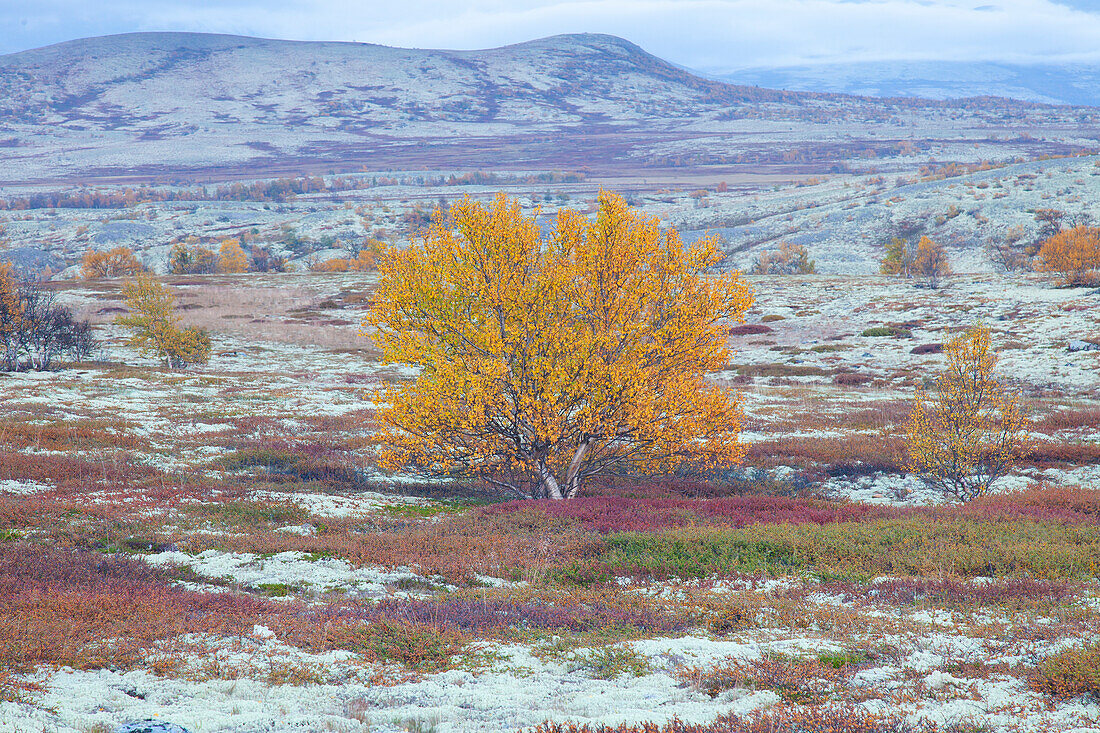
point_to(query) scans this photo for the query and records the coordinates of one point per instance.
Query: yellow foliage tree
(1074, 254)
(930, 262)
(155, 325)
(118, 262)
(231, 257)
(898, 259)
(191, 259)
(969, 432)
(11, 314)
(545, 361)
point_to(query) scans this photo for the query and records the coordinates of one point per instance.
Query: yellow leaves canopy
(11, 312)
(1074, 254)
(112, 263)
(543, 361)
(231, 257)
(154, 324)
(966, 435)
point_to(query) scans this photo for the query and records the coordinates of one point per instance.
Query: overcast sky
(704, 34)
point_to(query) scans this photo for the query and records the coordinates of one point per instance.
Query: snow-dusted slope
(139, 105)
(185, 99)
(128, 80)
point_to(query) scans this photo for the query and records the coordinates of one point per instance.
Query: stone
(150, 726)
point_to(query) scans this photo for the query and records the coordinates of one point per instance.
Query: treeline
(278, 190)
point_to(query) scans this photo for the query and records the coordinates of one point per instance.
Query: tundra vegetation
(230, 540)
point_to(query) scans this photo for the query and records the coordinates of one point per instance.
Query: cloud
(708, 34)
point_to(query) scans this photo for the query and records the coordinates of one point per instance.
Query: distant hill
(150, 106)
(138, 99)
(1073, 84)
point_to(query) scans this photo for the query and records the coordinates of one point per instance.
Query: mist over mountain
(1072, 84)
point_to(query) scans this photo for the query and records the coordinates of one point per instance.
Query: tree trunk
(573, 477)
(549, 484)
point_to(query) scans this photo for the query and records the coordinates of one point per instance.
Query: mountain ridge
(144, 105)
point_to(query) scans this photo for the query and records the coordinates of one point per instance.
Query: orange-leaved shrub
(1074, 254)
(365, 261)
(232, 257)
(1070, 672)
(118, 262)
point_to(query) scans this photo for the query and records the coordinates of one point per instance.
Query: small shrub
(964, 437)
(1070, 672)
(154, 325)
(118, 262)
(842, 659)
(609, 662)
(930, 263)
(365, 261)
(231, 257)
(1073, 254)
(788, 259)
(730, 619)
(419, 647)
(750, 329)
(891, 331)
(796, 681)
(927, 349)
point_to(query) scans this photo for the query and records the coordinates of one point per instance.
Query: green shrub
(251, 513)
(419, 647)
(696, 554)
(920, 545)
(893, 331)
(608, 662)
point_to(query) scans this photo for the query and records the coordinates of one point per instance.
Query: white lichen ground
(297, 376)
(517, 688)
